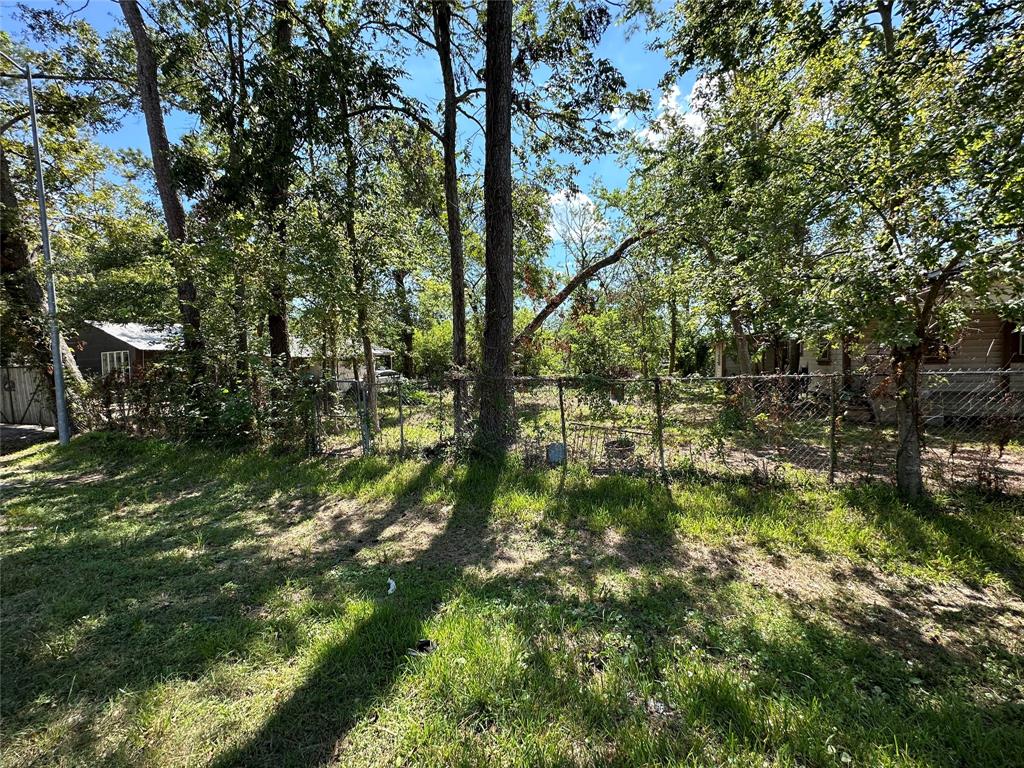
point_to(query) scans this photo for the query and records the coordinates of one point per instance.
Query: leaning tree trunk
(24, 306)
(442, 36)
(170, 201)
(495, 392)
(907, 374)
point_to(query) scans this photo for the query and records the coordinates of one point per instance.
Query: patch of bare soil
(377, 533)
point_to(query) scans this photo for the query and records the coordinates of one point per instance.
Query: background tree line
(824, 189)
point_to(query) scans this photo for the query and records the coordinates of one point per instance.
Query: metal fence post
(833, 452)
(561, 415)
(401, 421)
(661, 428)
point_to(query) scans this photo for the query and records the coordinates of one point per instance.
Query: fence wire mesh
(836, 427)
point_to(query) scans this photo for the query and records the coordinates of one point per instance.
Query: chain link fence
(837, 427)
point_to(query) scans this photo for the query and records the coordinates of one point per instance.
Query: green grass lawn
(179, 605)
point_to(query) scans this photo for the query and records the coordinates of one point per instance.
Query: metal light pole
(63, 430)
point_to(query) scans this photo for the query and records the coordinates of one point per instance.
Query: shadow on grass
(162, 593)
(354, 672)
(959, 527)
(148, 560)
(714, 669)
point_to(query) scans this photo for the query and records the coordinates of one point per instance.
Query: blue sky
(642, 68)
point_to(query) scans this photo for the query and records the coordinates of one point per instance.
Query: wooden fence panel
(25, 397)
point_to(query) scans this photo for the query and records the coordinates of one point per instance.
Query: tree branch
(580, 278)
(403, 110)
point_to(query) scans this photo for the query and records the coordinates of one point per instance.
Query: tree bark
(241, 327)
(580, 278)
(405, 317)
(279, 180)
(359, 268)
(25, 311)
(170, 201)
(793, 356)
(442, 38)
(742, 345)
(907, 374)
(496, 426)
(673, 335)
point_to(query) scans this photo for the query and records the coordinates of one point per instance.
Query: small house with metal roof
(103, 348)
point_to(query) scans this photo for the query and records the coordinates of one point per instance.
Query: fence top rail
(607, 428)
(692, 379)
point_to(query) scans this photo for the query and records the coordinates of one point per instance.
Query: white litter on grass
(392, 586)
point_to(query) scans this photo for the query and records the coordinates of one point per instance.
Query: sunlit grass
(148, 622)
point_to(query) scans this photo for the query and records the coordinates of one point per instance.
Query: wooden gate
(25, 397)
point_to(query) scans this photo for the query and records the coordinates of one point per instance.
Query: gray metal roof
(139, 336)
(300, 349)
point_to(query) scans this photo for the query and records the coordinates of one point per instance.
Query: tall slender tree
(495, 391)
(24, 306)
(278, 179)
(449, 143)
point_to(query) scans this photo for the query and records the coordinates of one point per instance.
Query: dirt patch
(377, 533)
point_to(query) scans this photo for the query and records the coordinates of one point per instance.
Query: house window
(825, 355)
(118, 360)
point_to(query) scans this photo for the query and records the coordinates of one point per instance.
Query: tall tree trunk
(793, 356)
(241, 328)
(279, 181)
(673, 333)
(495, 391)
(907, 374)
(24, 316)
(405, 317)
(359, 268)
(906, 361)
(847, 363)
(742, 343)
(170, 201)
(231, 189)
(443, 38)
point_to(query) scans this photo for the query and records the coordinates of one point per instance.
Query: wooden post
(833, 452)
(661, 428)
(561, 415)
(401, 421)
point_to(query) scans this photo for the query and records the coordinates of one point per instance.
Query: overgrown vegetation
(171, 604)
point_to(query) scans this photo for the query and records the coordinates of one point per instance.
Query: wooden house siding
(982, 345)
(92, 342)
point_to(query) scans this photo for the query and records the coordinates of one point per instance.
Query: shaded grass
(147, 622)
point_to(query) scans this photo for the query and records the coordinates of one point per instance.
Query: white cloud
(673, 108)
(620, 118)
